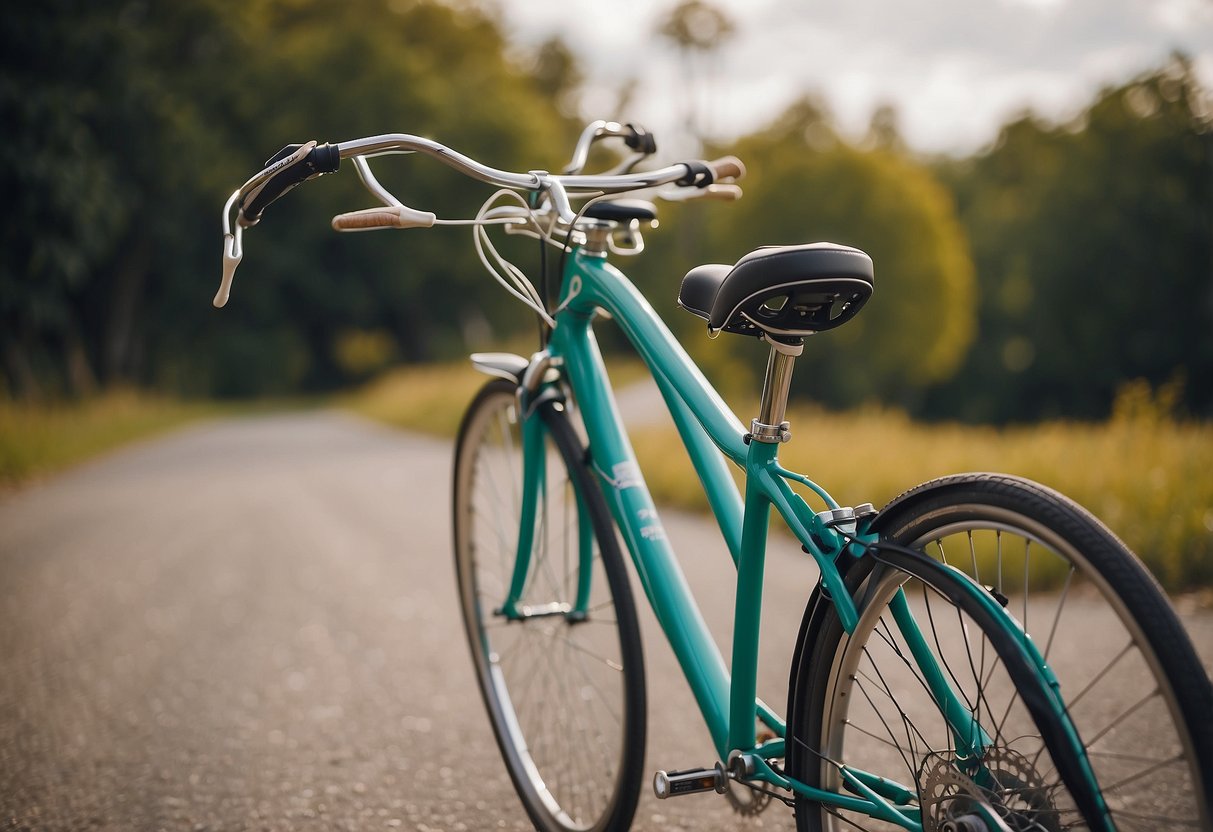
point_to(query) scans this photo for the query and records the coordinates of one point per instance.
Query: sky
(954, 69)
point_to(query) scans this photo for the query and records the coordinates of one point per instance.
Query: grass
(428, 398)
(38, 439)
(1148, 477)
(432, 398)
(1144, 473)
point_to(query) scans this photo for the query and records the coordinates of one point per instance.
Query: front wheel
(563, 675)
(1131, 682)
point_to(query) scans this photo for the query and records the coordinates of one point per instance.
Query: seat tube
(747, 613)
(767, 432)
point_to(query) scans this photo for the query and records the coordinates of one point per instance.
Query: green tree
(135, 119)
(1094, 247)
(805, 184)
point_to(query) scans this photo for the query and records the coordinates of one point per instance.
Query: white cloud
(955, 69)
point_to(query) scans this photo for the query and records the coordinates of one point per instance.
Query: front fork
(532, 518)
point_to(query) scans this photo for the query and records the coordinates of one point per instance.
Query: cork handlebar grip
(727, 167)
(369, 219)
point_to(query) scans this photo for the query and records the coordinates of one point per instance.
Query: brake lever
(233, 252)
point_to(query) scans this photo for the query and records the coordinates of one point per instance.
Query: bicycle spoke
(998, 546)
(613, 665)
(1126, 715)
(1094, 681)
(1123, 716)
(1157, 821)
(942, 554)
(1061, 602)
(939, 650)
(884, 688)
(973, 557)
(887, 637)
(885, 633)
(892, 736)
(514, 477)
(1178, 758)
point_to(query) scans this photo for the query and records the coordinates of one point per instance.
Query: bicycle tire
(1151, 757)
(566, 698)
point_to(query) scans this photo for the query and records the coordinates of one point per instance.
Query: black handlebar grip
(640, 140)
(322, 159)
(701, 174)
(698, 175)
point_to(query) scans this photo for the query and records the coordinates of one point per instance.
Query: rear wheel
(564, 690)
(1133, 686)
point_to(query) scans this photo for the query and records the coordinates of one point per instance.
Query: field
(40, 439)
(1144, 473)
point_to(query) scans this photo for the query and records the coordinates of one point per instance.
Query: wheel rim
(1108, 673)
(554, 687)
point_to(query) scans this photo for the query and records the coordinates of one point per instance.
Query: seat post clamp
(771, 434)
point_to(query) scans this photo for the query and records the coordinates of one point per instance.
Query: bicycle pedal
(691, 781)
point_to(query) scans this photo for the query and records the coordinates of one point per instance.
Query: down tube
(630, 502)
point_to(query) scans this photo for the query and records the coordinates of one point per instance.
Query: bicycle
(921, 695)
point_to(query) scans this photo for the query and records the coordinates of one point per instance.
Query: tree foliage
(1033, 279)
(1094, 249)
(136, 119)
(805, 185)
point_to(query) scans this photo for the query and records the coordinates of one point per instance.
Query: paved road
(251, 625)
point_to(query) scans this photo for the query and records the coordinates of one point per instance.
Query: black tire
(1134, 687)
(565, 696)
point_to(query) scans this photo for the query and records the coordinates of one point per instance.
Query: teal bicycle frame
(714, 437)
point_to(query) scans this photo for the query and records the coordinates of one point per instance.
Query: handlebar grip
(369, 219)
(299, 162)
(727, 167)
(703, 174)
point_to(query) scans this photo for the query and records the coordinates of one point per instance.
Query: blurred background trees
(1093, 243)
(1033, 279)
(135, 119)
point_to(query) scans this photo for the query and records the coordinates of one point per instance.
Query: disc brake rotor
(744, 800)
(1010, 788)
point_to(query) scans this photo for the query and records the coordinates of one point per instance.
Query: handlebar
(289, 167)
(633, 135)
(295, 164)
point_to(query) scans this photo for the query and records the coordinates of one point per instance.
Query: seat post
(770, 425)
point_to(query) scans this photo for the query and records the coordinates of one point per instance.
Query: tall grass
(1146, 474)
(428, 398)
(38, 439)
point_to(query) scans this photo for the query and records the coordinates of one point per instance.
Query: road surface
(251, 624)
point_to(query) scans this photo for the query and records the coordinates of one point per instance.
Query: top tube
(594, 283)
